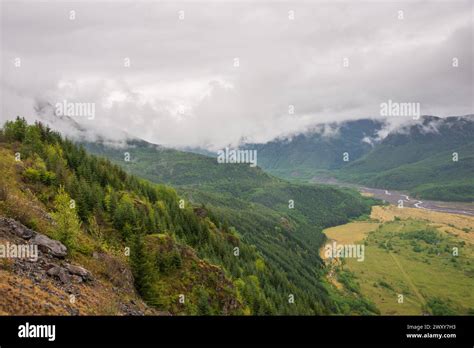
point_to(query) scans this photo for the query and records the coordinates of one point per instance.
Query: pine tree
(141, 267)
(68, 225)
(32, 141)
(15, 131)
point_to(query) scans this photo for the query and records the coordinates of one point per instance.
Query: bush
(3, 192)
(385, 285)
(439, 307)
(429, 236)
(38, 175)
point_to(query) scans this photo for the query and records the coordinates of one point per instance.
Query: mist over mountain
(394, 153)
(432, 158)
(208, 81)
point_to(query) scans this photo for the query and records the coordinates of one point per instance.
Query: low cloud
(232, 72)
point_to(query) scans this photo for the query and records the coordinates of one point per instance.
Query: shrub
(3, 192)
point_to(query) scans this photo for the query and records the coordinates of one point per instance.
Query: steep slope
(52, 285)
(184, 257)
(110, 228)
(282, 220)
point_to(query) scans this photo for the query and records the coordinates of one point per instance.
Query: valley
(430, 159)
(209, 238)
(394, 197)
(416, 261)
(224, 239)
(397, 257)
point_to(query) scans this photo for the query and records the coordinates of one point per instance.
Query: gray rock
(53, 270)
(61, 273)
(19, 229)
(64, 276)
(76, 279)
(49, 245)
(80, 271)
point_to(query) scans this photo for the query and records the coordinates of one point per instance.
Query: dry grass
(351, 232)
(453, 224)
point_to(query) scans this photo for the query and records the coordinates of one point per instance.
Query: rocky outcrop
(48, 245)
(17, 228)
(79, 271)
(49, 263)
(61, 273)
(46, 285)
(45, 244)
(69, 273)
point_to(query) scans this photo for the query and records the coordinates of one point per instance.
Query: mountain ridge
(220, 259)
(405, 158)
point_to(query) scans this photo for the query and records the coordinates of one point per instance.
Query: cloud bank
(208, 74)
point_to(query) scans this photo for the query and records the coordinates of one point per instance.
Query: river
(394, 197)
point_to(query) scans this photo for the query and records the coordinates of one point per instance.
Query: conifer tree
(141, 266)
(68, 225)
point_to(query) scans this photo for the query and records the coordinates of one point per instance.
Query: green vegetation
(413, 259)
(421, 162)
(257, 208)
(322, 148)
(141, 266)
(228, 244)
(68, 225)
(434, 176)
(97, 206)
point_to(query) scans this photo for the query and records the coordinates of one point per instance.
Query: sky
(212, 74)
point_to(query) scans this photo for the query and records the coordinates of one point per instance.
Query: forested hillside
(283, 220)
(236, 254)
(432, 160)
(320, 148)
(417, 157)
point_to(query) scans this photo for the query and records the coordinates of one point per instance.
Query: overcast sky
(182, 87)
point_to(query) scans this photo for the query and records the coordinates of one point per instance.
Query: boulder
(49, 245)
(61, 273)
(79, 271)
(76, 279)
(17, 228)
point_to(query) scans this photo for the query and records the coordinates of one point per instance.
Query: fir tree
(141, 266)
(68, 225)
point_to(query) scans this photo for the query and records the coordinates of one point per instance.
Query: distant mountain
(417, 157)
(433, 159)
(321, 148)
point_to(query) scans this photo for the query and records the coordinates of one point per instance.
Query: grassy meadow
(416, 261)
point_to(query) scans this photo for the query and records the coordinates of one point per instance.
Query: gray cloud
(182, 88)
